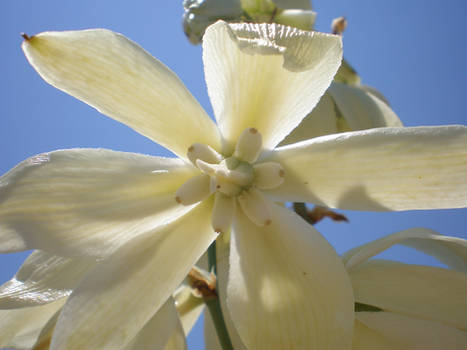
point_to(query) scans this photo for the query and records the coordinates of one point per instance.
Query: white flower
(120, 208)
(410, 307)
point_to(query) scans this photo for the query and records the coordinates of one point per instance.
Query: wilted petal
(19, 328)
(43, 278)
(87, 201)
(120, 79)
(287, 286)
(450, 250)
(377, 169)
(426, 292)
(266, 76)
(389, 331)
(159, 330)
(124, 291)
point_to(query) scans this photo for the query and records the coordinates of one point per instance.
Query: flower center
(234, 179)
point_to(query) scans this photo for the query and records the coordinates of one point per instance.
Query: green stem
(214, 306)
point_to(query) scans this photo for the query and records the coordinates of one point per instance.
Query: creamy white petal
(287, 286)
(189, 307)
(323, 120)
(41, 279)
(158, 331)
(425, 292)
(45, 336)
(266, 76)
(223, 266)
(361, 109)
(122, 293)
(377, 169)
(389, 331)
(19, 328)
(87, 201)
(450, 250)
(120, 79)
(344, 108)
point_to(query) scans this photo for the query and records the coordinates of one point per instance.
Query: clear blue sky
(412, 51)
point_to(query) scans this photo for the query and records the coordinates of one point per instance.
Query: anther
(254, 206)
(268, 175)
(249, 145)
(194, 190)
(204, 153)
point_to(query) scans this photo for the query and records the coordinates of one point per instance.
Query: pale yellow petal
(41, 279)
(124, 291)
(87, 201)
(19, 328)
(377, 169)
(287, 288)
(388, 331)
(160, 332)
(425, 292)
(120, 79)
(266, 76)
(450, 250)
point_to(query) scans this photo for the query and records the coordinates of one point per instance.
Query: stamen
(254, 206)
(222, 213)
(249, 145)
(203, 152)
(268, 175)
(194, 190)
(207, 168)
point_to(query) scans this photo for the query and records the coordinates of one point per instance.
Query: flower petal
(426, 292)
(211, 340)
(189, 307)
(19, 328)
(450, 250)
(122, 293)
(120, 79)
(377, 169)
(87, 201)
(388, 331)
(361, 109)
(266, 76)
(159, 330)
(344, 108)
(43, 278)
(287, 286)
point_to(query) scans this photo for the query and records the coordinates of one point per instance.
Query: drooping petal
(159, 330)
(124, 291)
(361, 109)
(323, 120)
(266, 76)
(87, 201)
(450, 250)
(120, 79)
(344, 108)
(287, 286)
(426, 292)
(377, 169)
(43, 278)
(388, 331)
(19, 328)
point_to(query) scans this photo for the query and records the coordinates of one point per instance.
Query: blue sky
(414, 54)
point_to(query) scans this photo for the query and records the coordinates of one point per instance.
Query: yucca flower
(146, 220)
